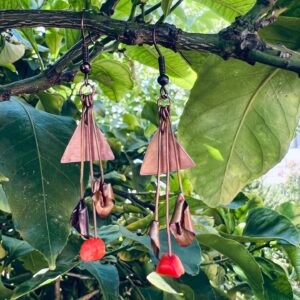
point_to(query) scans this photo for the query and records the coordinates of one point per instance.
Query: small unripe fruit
(92, 249)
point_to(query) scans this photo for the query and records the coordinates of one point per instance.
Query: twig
(57, 289)
(134, 199)
(214, 262)
(89, 295)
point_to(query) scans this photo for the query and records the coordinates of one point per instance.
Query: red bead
(170, 265)
(92, 249)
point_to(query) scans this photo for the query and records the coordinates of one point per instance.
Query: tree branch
(240, 40)
(53, 75)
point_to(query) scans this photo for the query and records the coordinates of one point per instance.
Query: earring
(163, 156)
(89, 144)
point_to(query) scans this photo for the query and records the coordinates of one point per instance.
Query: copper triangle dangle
(150, 163)
(97, 141)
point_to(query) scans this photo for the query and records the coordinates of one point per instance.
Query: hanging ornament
(89, 144)
(164, 155)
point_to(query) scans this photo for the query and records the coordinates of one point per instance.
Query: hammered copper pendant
(150, 163)
(96, 141)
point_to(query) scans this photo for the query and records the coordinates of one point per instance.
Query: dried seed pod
(154, 237)
(80, 218)
(181, 223)
(103, 198)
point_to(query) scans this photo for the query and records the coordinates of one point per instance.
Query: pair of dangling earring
(163, 156)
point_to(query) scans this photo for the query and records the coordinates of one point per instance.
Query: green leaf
(54, 41)
(290, 210)
(251, 126)
(29, 34)
(65, 262)
(179, 71)
(4, 206)
(200, 285)
(292, 8)
(166, 6)
(239, 255)
(285, 31)
(190, 256)
(8, 4)
(276, 283)
(150, 112)
(293, 253)
(107, 277)
(51, 103)
(5, 293)
(33, 261)
(265, 222)
(72, 36)
(41, 191)
(15, 248)
(228, 9)
(113, 76)
(122, 9)
(161, 283)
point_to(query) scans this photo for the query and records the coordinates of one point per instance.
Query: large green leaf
(293, 253)
(291, 210)
(285, 31)
(200, 285)
(65, 262)
(15, 248)
(113, 76)
(276, 283)
(190, 256)
(5, 293)
(4, 206)
(41, 191)
(239, 255)
(161, 283)
(265, 222)
(229, 9)
(237, 124)
(107, 277)
(166, 6)
(179, 71)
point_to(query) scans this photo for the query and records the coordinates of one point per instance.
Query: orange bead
(92, 249)
(170, 265)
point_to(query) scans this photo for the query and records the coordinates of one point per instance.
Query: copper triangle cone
(72, 152)
(150, 163)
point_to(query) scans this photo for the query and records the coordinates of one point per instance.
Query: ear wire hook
(85, 66)
(162, 79)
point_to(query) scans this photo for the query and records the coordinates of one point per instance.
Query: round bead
(85, 68)
(163, 79)
(92, 249)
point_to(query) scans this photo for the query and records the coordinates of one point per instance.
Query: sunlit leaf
(251, 127)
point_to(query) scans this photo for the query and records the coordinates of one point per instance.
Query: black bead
(85, 68)
(163, 79)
